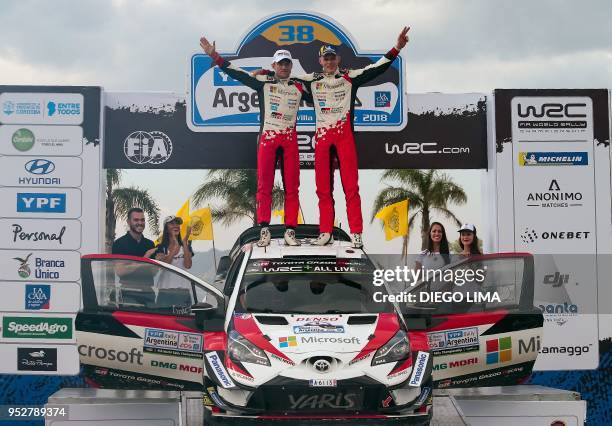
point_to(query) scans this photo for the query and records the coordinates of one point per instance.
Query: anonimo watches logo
(142, 147)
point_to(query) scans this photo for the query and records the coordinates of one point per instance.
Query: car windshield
(316, 286)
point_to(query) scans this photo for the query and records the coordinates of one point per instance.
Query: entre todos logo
(147, 147)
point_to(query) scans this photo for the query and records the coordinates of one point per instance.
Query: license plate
(322, 383)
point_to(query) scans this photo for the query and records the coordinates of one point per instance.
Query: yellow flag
(201, 225)
(395, 218)
(183, 213)
(281, 213)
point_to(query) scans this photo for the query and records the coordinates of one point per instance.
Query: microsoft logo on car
(499, 350)
(36, 328)
(285, 342)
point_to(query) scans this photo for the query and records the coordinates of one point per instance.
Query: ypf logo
(40, 166)
(147, 147)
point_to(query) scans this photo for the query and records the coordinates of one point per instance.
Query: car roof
(307, 231)
(278, 249)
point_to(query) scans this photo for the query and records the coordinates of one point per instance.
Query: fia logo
(147, 147)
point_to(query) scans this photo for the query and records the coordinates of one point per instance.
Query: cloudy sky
(456, 46)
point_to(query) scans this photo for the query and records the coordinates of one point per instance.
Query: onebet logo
(31, 202)
(499, 350)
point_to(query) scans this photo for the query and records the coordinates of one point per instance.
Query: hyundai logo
(322, 365)
(40, 166)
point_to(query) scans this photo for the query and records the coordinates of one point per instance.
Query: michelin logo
(219, 370)
(419, 369)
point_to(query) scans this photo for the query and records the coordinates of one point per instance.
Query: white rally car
(294, 334)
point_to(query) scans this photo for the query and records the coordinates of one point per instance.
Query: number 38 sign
(218, 103)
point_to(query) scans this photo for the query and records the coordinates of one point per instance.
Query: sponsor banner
(41, 108)
(41, 202)
(41, 171)
(30, 297)
(319, 266)
(553, 158)
(218, 103)
(37, 359)
(454, 341)
(41, 140)
(446, 131)
(39, 265)
(219, 370)
(39, 327)
(420, 366)
(170, 342)
(40, 233)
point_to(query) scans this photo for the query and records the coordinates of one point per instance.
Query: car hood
(301, 334)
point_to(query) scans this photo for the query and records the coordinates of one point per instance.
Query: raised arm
(253, 81)
(363, 75)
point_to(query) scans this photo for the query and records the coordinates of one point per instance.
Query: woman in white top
(174, 250)
(437, 253)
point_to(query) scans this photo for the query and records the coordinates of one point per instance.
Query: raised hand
(402, 39)
(208, 48)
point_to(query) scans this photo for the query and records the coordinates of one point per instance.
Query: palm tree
(236, 189)
(120, 200)
(427, 190)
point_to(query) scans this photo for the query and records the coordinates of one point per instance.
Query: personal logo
(554, 197)
(20, 234)
(142, 147)
(530, 235)
(527, 159)
(23, 140)
(382, 99)
(40, 166)
(499, 350)
(32, 202)
(36, 359)
(23, 270)
(37, 297)
(287, 342)
(36, 328)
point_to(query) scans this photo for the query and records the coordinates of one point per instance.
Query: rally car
(294, 333)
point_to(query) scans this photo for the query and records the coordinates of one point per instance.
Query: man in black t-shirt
(132, 275)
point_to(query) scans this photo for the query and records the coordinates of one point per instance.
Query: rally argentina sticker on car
(174, 343)
(454, 341)
(419, 369)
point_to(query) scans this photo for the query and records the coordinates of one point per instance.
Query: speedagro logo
(36, 328)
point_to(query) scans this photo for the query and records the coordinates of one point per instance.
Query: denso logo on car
(219, 370)
(419, 369)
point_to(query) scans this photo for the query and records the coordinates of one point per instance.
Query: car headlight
(396, 349)
(241, 350)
